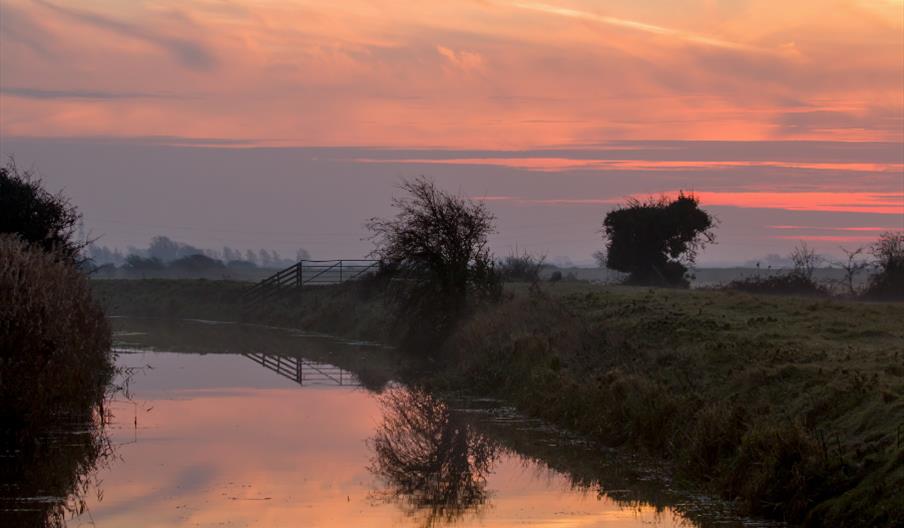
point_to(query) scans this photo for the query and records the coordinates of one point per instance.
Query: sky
(289, 124)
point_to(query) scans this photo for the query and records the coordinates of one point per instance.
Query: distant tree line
(164, 253)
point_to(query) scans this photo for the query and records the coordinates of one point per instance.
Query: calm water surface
(237, 426)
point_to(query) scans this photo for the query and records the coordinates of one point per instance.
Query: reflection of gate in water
(305, 372)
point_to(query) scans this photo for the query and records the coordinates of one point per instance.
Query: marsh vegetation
(56, 363)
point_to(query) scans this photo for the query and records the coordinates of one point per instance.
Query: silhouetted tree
(168, 250)
(196, 264)
(852, 266)
(438, 243)
(265, 259)
(138, 263)
(805, 261)
(655, 240)
(241, 265)
(38, 217)
(888, 282)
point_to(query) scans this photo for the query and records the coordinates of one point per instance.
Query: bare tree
(805, 261)
(437, 242)
(853, 265)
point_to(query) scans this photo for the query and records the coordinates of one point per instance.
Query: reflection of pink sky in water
(268, 453)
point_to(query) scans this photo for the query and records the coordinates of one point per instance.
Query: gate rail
(310, 273)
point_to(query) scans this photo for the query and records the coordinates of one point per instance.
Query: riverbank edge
(586, 362)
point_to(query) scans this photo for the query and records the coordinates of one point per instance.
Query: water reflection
(434, 464)
(305, 372)
(211, 439)
(264, 345)
(46, 475)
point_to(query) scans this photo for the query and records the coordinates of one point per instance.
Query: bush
(36, 216)
(55, 357)
(783, 284)
(520, 268)
(798, 281)
(888, 282)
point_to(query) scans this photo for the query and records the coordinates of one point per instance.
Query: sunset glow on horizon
(799, 109)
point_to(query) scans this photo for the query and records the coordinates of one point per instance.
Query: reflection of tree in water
(434, 464)
(46, 474)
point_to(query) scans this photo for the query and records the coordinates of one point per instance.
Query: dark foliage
(138, 263)
(196, 264)
(55, 357)
(241, 265)
(654, 241)
(167, 250)
(436, 246)
(888, 282)
(852, 266)
(522, 267)
(798, 281)
(30, 212)
(782, 284)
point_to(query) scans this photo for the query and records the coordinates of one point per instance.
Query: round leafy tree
(655, 241)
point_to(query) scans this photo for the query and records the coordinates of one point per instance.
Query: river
(241, 426)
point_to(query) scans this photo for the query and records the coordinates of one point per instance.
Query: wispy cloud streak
(40, 93)
(639, 26)
(191, 54)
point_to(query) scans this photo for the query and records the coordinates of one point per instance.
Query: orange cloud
(837, 202)
(464, 60)
(560, 164)
(322, 73)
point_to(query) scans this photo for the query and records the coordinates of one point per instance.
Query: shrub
(55, 358)
(783, 284)
(798, 281)
(522, 267)
(37, 216)
(888, 282)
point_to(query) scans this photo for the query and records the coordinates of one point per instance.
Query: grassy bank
(794, 407)
(347, 310)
